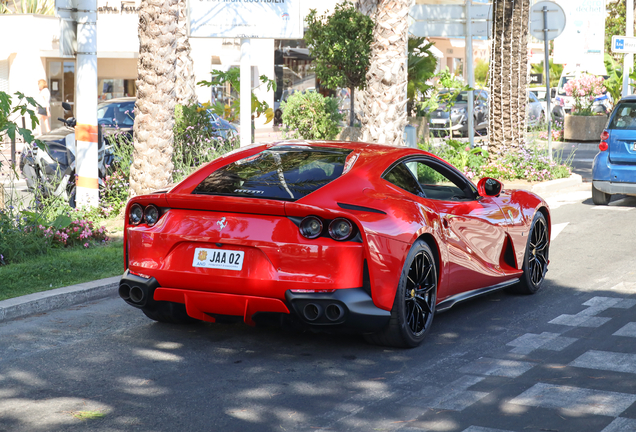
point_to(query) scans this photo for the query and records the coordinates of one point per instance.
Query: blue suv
(614, 168)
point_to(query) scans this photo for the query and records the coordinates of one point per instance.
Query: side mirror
(489, 187)
(552, 93)
(66, 106)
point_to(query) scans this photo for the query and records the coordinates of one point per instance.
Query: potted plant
(583, 124)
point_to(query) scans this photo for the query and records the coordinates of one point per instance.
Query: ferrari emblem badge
(202, 255)
(222, 224)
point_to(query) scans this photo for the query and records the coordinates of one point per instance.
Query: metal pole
(628, 59)
(86, 133)
(246, 94)
(470, 75)
(546, 69)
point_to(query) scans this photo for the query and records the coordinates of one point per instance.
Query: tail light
(311, 227)
(603, 146)
(340, 229)
(136, 214)
(139, 214)
(151, 215)
(604, 135)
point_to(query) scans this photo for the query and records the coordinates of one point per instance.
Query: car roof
(628, 98)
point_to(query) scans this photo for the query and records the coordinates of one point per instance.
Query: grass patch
(60, 268)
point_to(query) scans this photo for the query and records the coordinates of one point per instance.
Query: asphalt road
(561, 360)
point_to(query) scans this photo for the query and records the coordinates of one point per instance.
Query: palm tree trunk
(185, 87)
(369, 8)
(508, 76)
(385, 103)
(154, 110)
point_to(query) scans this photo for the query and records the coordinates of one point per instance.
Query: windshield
(285, 173)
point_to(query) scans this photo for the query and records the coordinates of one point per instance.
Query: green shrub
(460, 155)
(311, 116)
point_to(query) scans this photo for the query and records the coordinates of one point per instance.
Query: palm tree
(154, 109)
(385, 102)
(508, 76)
(185, 86)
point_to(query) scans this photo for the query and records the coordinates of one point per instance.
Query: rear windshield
(284, 173)
(625, 117)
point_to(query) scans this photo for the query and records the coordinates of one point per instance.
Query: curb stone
(47, 301)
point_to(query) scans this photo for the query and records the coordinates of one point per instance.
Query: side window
(440, 182)
(402, 178)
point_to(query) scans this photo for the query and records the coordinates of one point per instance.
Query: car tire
(535, 260)
(168, 312)
(414, 305)
(599, 197)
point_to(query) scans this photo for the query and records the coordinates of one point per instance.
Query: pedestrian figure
(44, 112)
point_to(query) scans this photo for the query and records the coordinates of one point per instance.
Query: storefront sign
(267, 19)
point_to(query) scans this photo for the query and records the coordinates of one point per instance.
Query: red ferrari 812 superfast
(332, 235)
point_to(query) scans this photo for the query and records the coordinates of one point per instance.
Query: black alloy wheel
(415, 300)
(535, 262)
(419, 295)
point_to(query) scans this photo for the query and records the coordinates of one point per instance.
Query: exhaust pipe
(334, 312)
(136, 294)
(312, 311)
(124, 291)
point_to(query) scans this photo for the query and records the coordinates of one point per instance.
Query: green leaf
(62, 221)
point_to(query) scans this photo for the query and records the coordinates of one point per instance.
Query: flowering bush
(526, 164)
(557, 132)
(584, 90)
(513, 164)
(77, 233)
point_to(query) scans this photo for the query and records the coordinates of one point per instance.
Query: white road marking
(455, 396)
(607, 361)
(556, 230)
(496, 367)
(587, 318)
(529, 342)
(629, 330)
(568, 198)
(575, 401)
(621, 425)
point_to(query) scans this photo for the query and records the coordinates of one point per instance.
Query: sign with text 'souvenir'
(265, 19)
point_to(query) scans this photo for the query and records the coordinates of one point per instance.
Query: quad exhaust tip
(332, 312)
(134, 294)
(312, 311)
(124, 291)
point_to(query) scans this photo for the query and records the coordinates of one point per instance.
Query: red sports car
(334, 235)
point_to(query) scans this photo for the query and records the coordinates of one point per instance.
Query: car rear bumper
(613, 178)
(350, 308)
(615, 188)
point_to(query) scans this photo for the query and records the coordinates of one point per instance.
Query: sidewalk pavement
(46, 301)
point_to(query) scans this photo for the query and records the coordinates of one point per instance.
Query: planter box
(583, 128)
